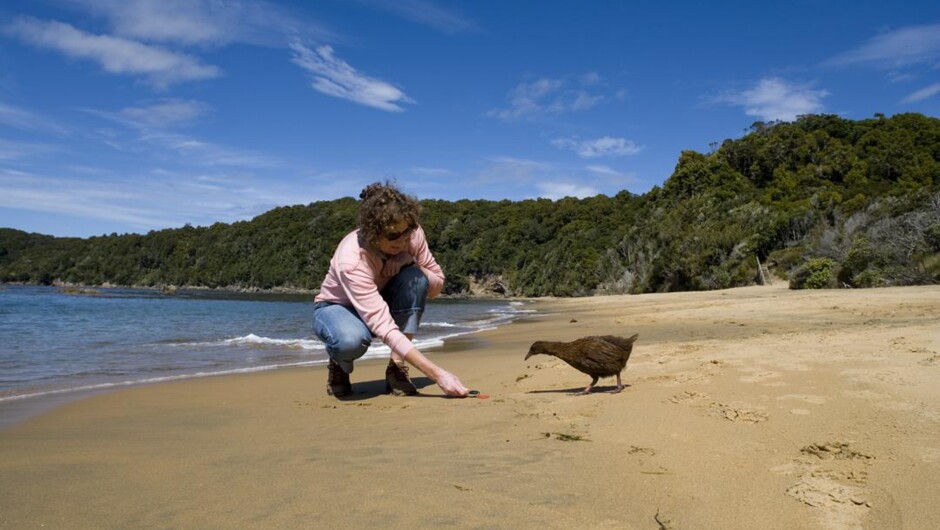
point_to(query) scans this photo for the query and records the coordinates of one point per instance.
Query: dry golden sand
(748, 408)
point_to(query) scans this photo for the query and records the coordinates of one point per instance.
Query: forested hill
(823, 201)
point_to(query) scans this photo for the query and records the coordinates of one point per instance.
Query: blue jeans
(347, 337)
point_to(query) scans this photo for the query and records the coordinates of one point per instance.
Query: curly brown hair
(383, 207)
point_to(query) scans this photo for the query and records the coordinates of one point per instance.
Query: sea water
(56, 341)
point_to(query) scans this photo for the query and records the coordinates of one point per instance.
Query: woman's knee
(343, 334)
(349, 345)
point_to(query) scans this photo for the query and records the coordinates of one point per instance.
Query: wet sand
(757, 407)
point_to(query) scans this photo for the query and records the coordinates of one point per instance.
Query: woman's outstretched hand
(444, 379)
(451, 385)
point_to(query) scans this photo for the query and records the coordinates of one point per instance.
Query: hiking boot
(397, 381)
(337, 382)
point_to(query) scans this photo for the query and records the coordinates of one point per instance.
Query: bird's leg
(619, 386)
(587, 389)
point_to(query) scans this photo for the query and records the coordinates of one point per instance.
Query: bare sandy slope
(749, 408)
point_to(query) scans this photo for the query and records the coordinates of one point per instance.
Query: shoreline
(233, 352)
(16, 408)
(754, 407)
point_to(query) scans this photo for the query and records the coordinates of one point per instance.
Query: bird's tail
(622, 342)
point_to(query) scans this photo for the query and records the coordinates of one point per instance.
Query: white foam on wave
(514, 309)
(379, 350)
(252, 339)
(309, 344)
(255, 340)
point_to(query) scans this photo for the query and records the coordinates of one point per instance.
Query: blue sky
(135, 115)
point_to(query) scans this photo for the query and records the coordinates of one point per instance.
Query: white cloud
(431, 172)
(923, 93)
(560, 190)
(29, 121)
(166, 113)
(773, 99)
(553, 181)
(115, 54)
(209, 154)
(334, 77)
(216, 22)
(584, 101)
(143, 202)
(159, 146)
(896, 49)
(896, 76)
(10, 150)
(425, 13)
(526, 99)
(546, 97)
(147, 134)
(509, 169)
(599, 147)
(88, 200)
(15, 117)
(184, 21)
(609, 177)
(591, 79)
(604, 170)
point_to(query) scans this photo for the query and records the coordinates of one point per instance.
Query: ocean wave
(512, 310)
(377, 349)
(252, 339)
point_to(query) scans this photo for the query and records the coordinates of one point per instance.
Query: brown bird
(598, 357)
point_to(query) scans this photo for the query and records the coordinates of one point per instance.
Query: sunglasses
(394, 236)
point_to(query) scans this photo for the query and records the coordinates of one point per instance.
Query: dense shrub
(817, 273)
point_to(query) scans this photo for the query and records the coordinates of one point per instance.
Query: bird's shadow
(596, 390)
(364, 390)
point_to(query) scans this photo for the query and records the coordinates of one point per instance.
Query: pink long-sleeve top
(355, 279)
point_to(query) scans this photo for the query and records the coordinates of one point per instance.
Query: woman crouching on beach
(379, 279)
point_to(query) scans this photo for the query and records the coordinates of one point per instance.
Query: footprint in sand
(688, 397)
(759, 377)
(698, 376)
(864, 377)
(834, 451)
(807, 398)
(933, 360)
(688, 378)
(831, 478)
(841, 507)
(649, 451)
(735, 412)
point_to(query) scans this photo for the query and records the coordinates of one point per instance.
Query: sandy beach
(757, 407)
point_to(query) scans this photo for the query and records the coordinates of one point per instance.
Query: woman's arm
(425, 260)
(444, 379)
